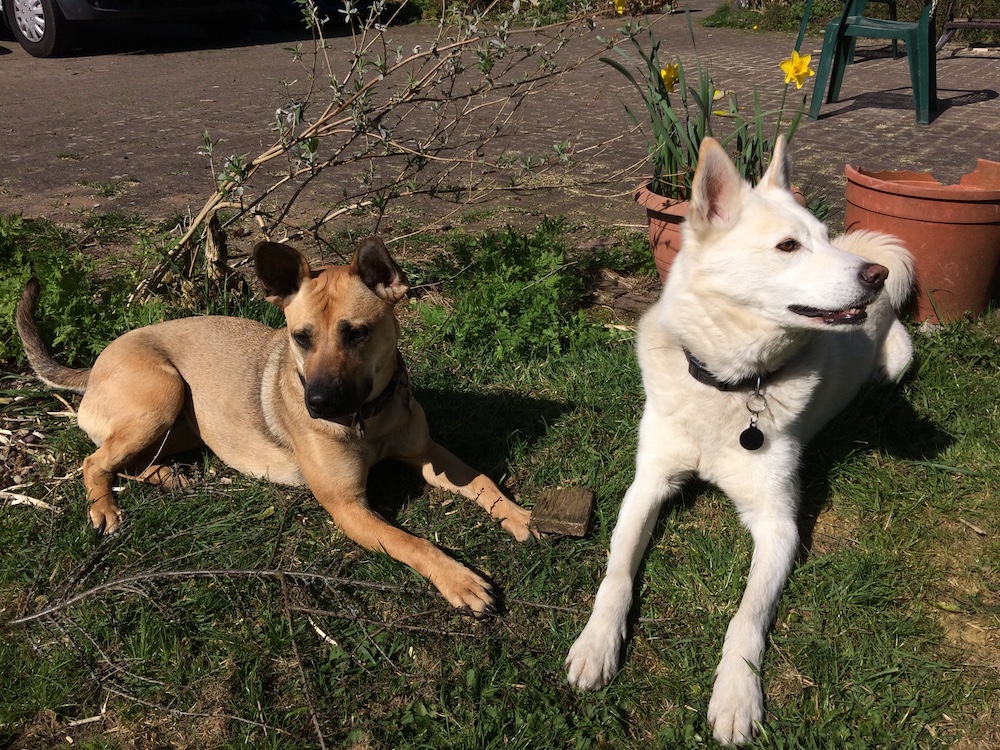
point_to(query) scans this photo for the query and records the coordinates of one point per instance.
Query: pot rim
(654, 201)
(921, 185)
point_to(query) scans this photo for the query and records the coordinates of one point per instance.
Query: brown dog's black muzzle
(332, 397)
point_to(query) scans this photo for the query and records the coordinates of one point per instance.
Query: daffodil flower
(620, 6)
(796, 69)
(670, 76)
(720, 94)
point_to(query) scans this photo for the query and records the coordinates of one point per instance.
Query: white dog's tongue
(832, 317)
(853, 315)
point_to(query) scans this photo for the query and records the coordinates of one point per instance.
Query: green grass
(883, 638)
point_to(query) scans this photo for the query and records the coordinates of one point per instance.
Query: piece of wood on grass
(563, 510)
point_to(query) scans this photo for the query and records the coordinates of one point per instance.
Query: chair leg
(823, 72)
(931, 51)
(892, 17)
(849, 55)
(916, 55)
(841, 59)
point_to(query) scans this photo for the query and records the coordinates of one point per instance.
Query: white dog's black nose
(873, 275)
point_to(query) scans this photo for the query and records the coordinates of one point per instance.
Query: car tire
(38, 26)
(227, 30)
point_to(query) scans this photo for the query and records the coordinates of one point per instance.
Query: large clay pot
(953, 232)
(664, 216)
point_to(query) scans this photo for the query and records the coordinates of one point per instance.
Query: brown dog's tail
(47, 369)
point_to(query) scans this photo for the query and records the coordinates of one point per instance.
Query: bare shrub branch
(381, 123)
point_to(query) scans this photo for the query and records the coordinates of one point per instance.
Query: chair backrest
(857, 8)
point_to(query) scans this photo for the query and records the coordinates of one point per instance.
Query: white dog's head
(758, 250)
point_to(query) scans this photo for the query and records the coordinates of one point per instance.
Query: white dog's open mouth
(849, 316)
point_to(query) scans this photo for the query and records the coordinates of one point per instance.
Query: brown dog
(316, 403)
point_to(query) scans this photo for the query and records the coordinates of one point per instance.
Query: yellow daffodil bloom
(670, 76)
(619, 6)
(796, 69)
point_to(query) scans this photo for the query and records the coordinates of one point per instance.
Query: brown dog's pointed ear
(379, 271)
(281, 269)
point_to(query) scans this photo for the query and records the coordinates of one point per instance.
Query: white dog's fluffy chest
(700, 425)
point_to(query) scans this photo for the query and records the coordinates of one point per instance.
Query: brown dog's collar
(369, 409)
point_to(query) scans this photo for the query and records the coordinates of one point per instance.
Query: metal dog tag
(751, 438)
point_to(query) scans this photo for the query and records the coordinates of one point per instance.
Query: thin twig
(15, 498)
(396, 624)
(168, 575)
(298, 661)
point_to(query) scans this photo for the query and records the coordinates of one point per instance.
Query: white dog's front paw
(736, 707)
(593, 659)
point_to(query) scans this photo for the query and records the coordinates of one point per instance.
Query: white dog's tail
(888, 251)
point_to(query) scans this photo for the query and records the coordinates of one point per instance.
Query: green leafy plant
(514, 295)
(680, 115)
(75, 318)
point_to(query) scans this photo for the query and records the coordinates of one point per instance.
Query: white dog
(764, 331)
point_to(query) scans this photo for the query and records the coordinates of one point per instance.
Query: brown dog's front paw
(516, 521)
(106, 516)
(467, 591)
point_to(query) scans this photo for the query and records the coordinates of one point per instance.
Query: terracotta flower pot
(664, 217)
(953, 232)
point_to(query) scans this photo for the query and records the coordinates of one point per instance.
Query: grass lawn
(234, 614)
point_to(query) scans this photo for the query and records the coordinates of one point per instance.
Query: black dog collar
(400, 380)
(751, 438)
(698, 371)
(375, 407)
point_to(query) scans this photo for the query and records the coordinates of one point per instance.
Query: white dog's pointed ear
(778, 174)
(282, 269)
(379, 271)
(717, 188)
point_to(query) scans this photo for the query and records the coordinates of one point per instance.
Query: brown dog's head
(340, 321)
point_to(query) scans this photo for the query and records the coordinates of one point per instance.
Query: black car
(45, 27)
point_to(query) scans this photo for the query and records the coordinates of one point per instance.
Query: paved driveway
(130, 112)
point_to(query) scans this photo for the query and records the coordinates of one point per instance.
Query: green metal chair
(838, 51)
(808, 12)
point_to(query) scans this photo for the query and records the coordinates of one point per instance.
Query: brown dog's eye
(352, 335)
(303, 339)
(788, 246)
(357, 335)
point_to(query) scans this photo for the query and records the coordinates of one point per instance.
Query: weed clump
(513, 296)
(75, 318)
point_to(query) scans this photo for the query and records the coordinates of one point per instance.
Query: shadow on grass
(479, 428)
(879, 419)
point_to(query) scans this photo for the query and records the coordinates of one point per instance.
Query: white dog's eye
(788, 246)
